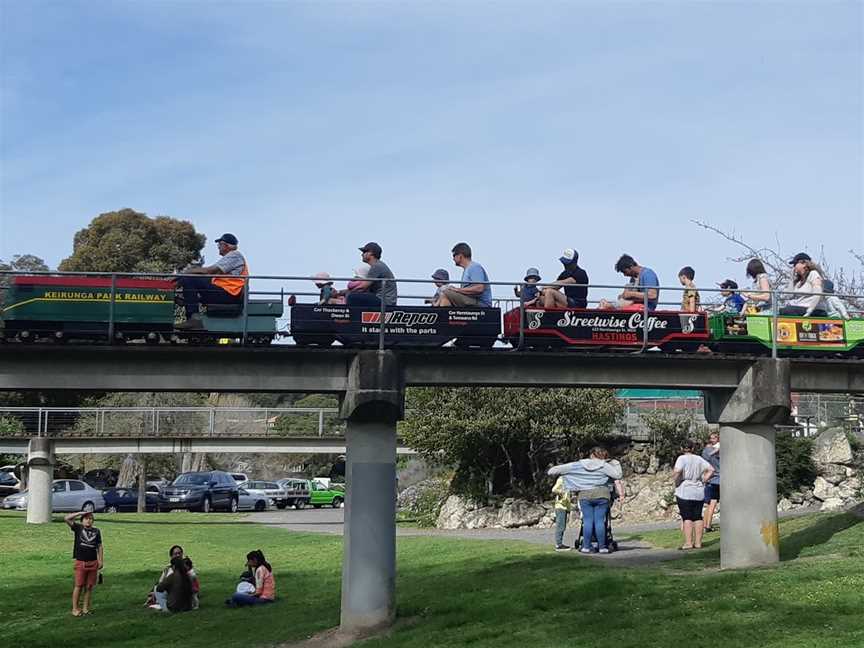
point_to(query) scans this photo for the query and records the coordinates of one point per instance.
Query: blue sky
(521, 127)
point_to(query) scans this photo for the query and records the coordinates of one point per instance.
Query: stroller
(611, 543)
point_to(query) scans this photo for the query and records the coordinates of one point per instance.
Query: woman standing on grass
(265, 582)
(690, 474)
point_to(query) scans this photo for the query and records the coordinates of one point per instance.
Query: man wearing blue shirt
(472, 291)
(643, 286)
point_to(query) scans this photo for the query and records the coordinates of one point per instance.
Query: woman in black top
(178, 586)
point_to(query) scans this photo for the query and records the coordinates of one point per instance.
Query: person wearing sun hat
(573, 279)
(442, 283)
(529, 292)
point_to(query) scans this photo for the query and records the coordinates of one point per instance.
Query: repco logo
(399, 317)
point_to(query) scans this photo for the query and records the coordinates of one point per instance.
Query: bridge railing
(142, 422)
(288, 288)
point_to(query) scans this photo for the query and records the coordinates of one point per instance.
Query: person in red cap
(227, 288)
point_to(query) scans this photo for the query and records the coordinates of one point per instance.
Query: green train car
(795, 335)
(38, 308)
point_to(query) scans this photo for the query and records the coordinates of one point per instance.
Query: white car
(66, 495)
(249, 502)
(240, 478)
(272, 491)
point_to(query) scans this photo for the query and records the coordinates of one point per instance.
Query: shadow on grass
(816, 534)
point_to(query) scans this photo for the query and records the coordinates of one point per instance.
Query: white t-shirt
(691, 466)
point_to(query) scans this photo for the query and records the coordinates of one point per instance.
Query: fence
(169, 422)
(294, 286)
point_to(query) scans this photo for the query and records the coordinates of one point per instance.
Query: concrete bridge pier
(40, 465)
(372, 404)
(748, 465)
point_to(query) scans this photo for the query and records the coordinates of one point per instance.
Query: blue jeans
(201, 290)
(247, 599)
(594, 521)
(560, 525)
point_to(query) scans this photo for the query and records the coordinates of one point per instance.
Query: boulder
(833, 473)
(481, 518)
(516, 513)
(653, 465)
(785, 505)
(831, 504)
(832, 447)
(849, 489)
(823, 490)
(796, 497)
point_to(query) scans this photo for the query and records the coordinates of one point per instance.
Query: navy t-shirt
(87, 542)
(577, 296)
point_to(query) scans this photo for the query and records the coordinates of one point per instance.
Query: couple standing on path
(592, 481)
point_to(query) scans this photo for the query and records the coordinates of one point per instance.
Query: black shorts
(690, 510)
(712, 492)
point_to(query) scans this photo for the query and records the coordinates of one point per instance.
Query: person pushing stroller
(591, 480)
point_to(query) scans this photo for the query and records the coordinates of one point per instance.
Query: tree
(19, 263)
(501, 440)
(130, 241)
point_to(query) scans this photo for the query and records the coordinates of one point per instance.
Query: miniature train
(73, 309)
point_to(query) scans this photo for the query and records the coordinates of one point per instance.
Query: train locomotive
(65, 308)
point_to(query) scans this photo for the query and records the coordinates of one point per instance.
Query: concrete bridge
(745, 395)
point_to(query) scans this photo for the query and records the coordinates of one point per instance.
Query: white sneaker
(584, 550)
(604, 550)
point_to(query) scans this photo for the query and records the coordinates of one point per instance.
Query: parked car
(240, 478)
(119, 500)
(101, 478)
(321, 495)
(270, 490)
(66, 495)
(201, 491)
(249, 501)
(296, 492)
(9, 483)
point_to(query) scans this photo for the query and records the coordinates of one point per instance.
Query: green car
(320, 495)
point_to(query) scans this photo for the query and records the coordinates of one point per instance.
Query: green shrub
(795, 467)
(670, 430)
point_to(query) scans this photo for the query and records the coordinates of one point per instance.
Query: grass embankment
(483, 593)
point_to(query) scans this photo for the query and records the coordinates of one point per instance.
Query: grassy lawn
(461, 592)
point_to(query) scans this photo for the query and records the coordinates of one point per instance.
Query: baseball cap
(441, 275)
(827, 286)
(532, 272)
(322, 278)
(729, 285)
(372, 247)
(569, 256)
(801, 256)
(230, 239)
(362, 271)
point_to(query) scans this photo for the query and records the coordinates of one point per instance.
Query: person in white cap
(573, 279)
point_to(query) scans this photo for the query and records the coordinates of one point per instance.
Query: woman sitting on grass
(265, 582)
(178, 586)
